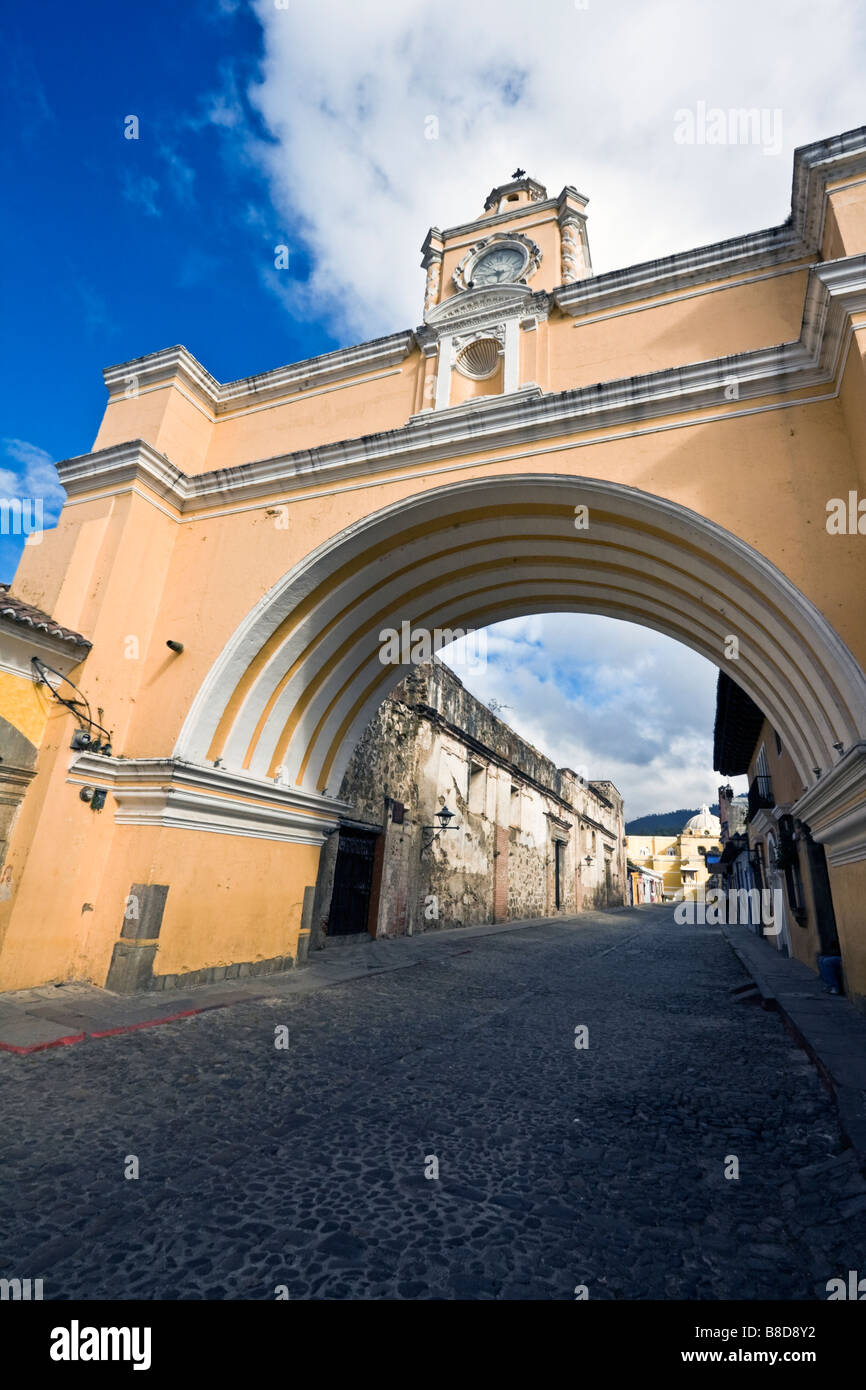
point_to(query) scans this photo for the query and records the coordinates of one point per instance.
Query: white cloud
(28, 472)
(180, 174)
(141, 191)
(607, 698)
(582, 96)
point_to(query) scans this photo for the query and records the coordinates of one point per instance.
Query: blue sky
(343, 131)
(112, 248)
(606, 698)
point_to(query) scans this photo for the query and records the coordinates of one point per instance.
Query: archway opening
(298, 682)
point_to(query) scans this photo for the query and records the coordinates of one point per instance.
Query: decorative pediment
(489, 300)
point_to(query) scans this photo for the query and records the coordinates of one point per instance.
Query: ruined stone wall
(386, 760)
(432, 744)
(527, 878)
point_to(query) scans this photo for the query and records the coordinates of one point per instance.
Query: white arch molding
(300, 678)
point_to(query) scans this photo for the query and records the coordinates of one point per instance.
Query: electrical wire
(40, 668)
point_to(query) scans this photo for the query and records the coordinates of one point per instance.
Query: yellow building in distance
(680, 859)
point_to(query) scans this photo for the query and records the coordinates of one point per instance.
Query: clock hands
(498, 266)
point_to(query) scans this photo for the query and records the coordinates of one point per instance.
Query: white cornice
(178, 364)
(519, 185)
(835, 808)
(842, 156)
(566, 198)
(122, 465)
(670, 274)
(499, 219)
(836, 290)
(797, 239)
(190, 796)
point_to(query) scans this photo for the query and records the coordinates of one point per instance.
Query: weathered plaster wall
(432, 744)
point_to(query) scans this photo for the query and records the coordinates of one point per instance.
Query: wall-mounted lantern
(444, 818)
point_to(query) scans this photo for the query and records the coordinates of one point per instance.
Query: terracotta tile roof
(28, 616)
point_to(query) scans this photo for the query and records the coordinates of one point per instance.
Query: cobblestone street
(558, 1166)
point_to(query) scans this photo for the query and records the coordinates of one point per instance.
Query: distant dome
(704, 823)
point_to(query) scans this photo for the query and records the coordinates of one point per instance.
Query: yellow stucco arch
(233, 550)
(301, 676)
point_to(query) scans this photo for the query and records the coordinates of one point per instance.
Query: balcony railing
(760, 795)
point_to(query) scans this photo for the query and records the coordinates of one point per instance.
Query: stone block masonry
(527, 839)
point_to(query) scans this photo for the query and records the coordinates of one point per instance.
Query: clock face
(498, 265)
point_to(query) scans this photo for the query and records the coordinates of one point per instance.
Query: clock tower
(490, 287)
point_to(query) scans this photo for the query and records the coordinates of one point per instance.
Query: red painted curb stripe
(147, 1023)
(126, 1027)
(40, 1047)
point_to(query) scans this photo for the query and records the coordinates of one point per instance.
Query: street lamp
(444, 817)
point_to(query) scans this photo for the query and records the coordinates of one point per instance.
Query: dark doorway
(353, 882)
(557, 870)
(825, 917)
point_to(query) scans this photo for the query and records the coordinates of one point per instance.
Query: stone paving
(304, 1168)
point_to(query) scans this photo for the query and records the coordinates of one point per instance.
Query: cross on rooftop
(519, 174)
